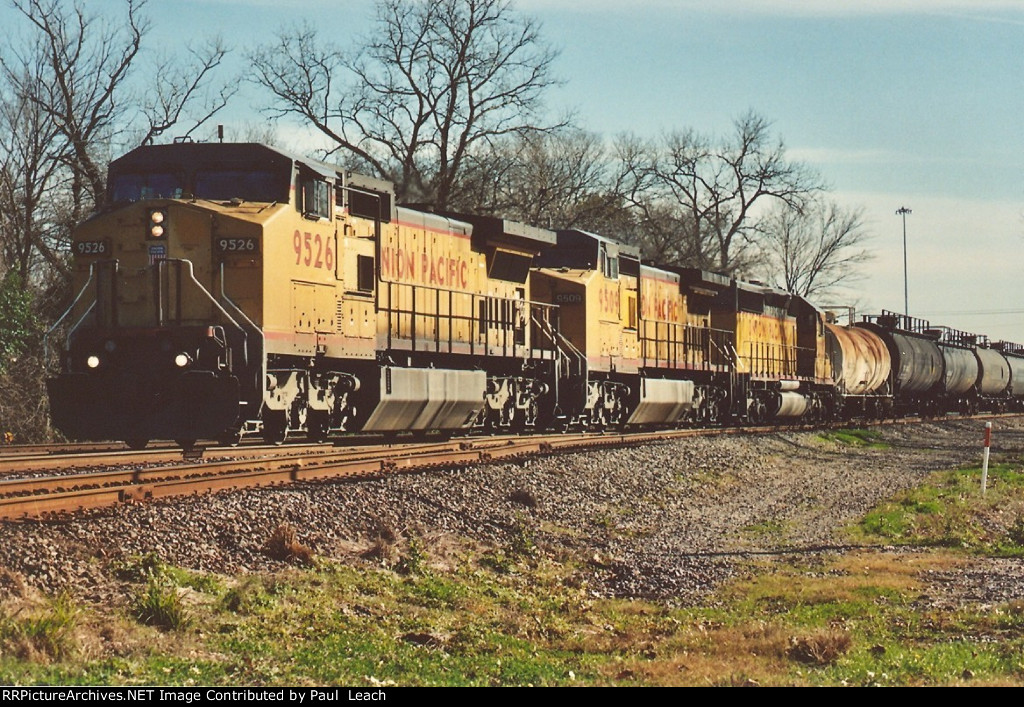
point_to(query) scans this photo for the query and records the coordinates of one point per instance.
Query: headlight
(93, 362)
(157, 226)
(182, 360)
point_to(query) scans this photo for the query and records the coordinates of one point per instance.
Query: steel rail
(26, 498)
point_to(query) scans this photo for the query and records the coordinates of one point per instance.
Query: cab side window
(609, 264)
(316, 197)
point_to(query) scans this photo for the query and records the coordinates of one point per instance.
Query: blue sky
(896, 102)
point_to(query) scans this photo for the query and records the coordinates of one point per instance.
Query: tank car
(995, 375)
(238, 288)
(936, 369)
(1014, 354)
(861, 366)
(917, 362)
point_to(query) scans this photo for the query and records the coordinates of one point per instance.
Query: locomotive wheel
(136, 443)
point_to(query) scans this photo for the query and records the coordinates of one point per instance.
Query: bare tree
(32, 171)
(66, 97)
(87, 64)
(813, 252)
(436, 80)
(555, 179)
(711, 187)
(84, 88)
(185, 91)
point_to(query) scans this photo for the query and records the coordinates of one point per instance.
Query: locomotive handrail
(684, 344)
(191, 275)
(61, 318)
(406, 320)
(245, 317)
(250, 322)
(557, 339)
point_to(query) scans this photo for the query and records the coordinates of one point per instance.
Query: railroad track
(44, 496)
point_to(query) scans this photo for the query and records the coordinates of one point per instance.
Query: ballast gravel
(667, 521)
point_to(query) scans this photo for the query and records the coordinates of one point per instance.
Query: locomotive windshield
(214, 172)
(255, 185)
(212, 184)
(153, 185)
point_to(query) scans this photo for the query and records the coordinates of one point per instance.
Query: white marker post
(984, 458)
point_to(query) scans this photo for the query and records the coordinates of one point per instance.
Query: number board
(91, 248)
(237, 246)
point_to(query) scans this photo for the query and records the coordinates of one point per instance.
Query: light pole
(903, 211)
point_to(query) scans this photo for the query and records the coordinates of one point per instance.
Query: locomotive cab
(158, 344)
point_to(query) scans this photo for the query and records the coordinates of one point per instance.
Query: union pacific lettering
(419, 266)
(422, 268)
(659, 300)
(660, 308)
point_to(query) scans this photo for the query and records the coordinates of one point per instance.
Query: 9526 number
(87, 248)
(246, 246)
(314, 250)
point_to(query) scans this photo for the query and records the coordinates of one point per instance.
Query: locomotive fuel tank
(993, 372)
(789, 404)
(864, 362)
(662, 401)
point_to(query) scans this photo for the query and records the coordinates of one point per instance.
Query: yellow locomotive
(233, 288)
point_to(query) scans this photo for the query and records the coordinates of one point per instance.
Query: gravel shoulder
(669, 521)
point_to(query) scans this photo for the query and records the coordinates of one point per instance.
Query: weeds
(283, 545)
(138, 568)
(46, 634)
(820, 648)
(522, 542)
(160, 605)
(414, 559)
(949, 511)
(247, 597)
(871, 439)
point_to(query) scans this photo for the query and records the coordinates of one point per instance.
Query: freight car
(935, 369)
(232, 289)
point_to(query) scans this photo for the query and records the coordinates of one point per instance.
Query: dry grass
(283, 544)
(820, 648)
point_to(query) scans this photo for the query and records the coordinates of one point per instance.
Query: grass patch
(160, 604)
(40, 635)
(771, 528)
(871, 439)
(852, 619)
(948, 510)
